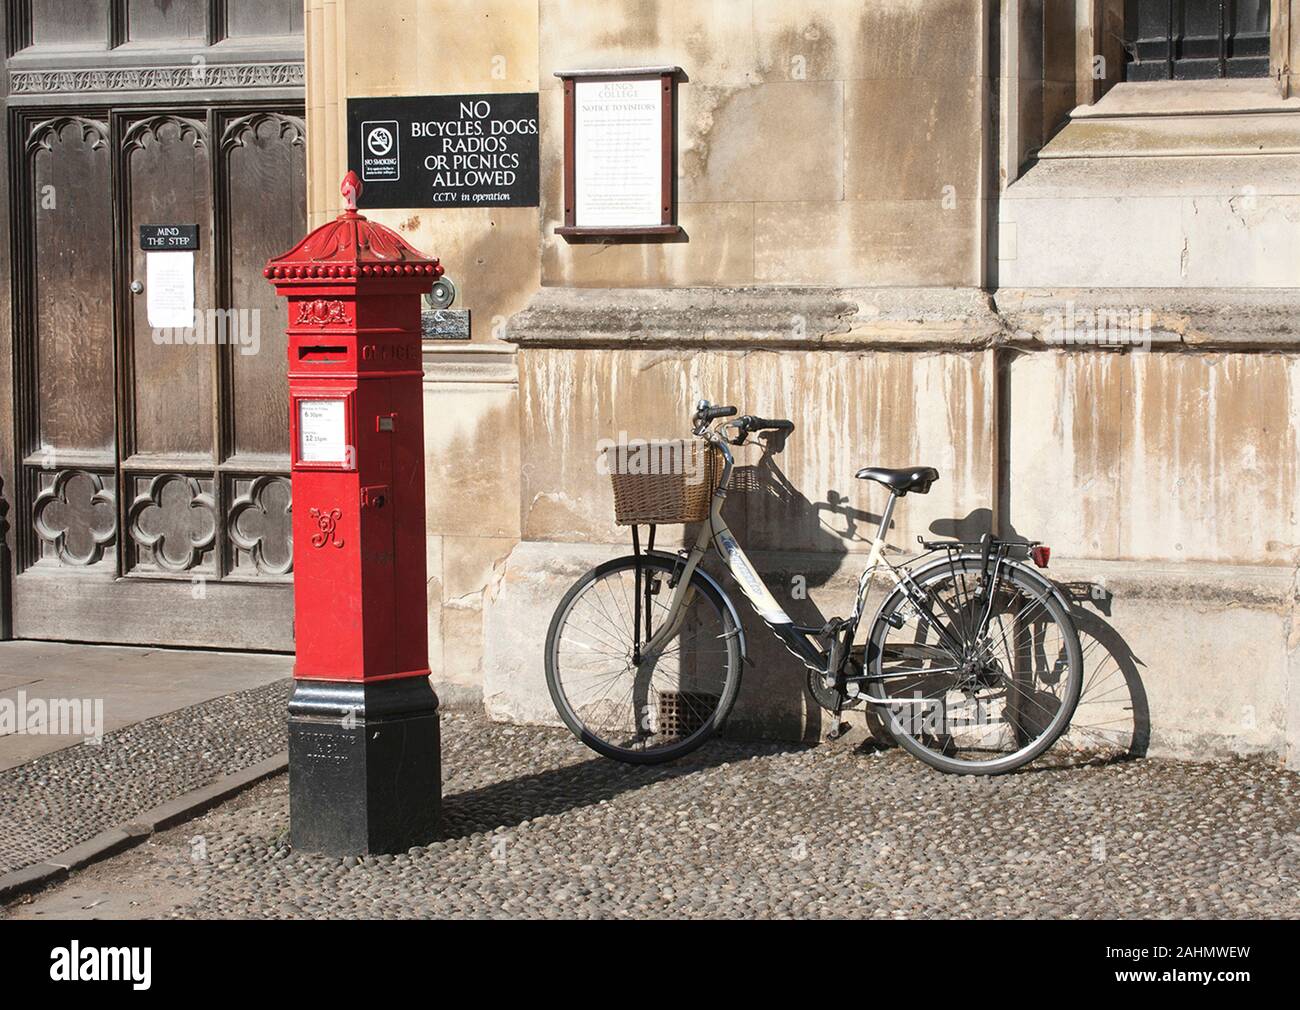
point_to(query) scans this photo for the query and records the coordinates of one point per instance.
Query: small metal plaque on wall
(444, 324)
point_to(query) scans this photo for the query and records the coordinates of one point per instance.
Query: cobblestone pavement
(537, 826)
(62, 799)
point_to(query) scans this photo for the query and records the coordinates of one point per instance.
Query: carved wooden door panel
(154, 465)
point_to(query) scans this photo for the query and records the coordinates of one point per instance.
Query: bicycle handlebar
(707, 412)
(752, 423)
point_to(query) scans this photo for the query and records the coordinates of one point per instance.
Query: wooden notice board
(620, 152)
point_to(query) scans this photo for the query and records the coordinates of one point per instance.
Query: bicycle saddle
(909, 478)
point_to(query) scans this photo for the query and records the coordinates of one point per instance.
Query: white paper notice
(169, 284)
(618, 152)
(322, 432)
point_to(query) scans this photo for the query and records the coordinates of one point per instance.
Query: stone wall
(1164, 477)
(832, 142)
(884, 202)
(835, 142)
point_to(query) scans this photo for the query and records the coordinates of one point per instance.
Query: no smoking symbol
(380, 141)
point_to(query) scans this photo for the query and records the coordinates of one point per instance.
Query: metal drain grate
(682, 713)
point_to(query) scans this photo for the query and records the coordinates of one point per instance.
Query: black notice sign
(169, 237)
(445, 150)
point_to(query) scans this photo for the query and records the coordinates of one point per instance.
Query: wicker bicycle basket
(670, 481)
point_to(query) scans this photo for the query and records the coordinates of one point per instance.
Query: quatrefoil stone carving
(77, 515)
(261, 523)
(174, 521)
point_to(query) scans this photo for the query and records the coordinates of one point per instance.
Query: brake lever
(698, 424)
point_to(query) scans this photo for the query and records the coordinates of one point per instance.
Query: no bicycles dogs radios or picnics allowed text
(445, 150)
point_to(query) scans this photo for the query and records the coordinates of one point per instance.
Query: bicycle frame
(798, 640)
(936, 645)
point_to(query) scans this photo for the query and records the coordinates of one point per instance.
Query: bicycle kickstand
(839, 631)
(840, 727)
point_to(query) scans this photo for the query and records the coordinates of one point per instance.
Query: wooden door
(156, 471)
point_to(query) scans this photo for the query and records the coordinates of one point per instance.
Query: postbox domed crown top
(351, 246)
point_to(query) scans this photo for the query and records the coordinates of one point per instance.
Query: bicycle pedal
(832, 627)
(840, 729)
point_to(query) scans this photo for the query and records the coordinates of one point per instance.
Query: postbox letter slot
(319, 352)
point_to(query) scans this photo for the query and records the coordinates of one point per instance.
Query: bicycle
(644, 653)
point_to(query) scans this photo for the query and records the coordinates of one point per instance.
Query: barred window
(1189, 40)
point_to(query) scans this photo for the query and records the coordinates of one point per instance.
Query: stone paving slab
(536, 826)
(65, 799)
(130, 684)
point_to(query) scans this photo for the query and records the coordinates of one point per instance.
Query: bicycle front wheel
(616, 696)
(975, 685)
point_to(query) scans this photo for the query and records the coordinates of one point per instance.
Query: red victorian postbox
(364, 770)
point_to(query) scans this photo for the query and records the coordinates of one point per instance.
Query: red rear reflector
(1041, 555)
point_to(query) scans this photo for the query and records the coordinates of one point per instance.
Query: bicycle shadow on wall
(769, 514)
(1113, 719)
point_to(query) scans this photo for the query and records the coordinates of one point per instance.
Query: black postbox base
(364, 768)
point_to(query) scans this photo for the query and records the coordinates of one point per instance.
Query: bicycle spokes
(975, 671)
(627, 696)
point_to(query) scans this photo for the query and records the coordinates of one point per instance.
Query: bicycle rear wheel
(642, 709)
(970, 698)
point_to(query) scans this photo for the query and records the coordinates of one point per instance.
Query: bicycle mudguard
(1038, 577)
(868, 647)
(1032, 573)
(717, 587)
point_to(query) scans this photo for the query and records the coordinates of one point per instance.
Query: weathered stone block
(713, 40)
(872, 40)
(433, 601)
(468, 564)
(737, 144)
(471, 421)
(849, 411)
(462, 643)
(880, 242)
(1167, 455)
(491, 254)
(910, 139)
(717, 248)
(398, 47)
